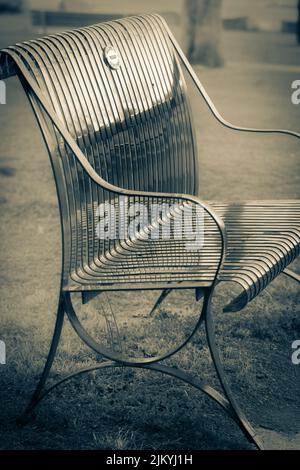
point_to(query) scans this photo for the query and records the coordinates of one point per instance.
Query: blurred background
(224, 25)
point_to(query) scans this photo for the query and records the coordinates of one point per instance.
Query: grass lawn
(129, 409)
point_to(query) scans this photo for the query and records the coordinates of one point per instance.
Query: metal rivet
(112, 57)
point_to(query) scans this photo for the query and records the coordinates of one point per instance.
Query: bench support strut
(226, 401)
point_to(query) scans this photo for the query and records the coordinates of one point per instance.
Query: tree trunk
(203, 31)
(298, 24)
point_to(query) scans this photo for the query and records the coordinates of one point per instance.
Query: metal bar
(171, 371)
(112, 355)
(160, 299)
(208, 100)
(210, 334)
(51, 355)
(291, 274)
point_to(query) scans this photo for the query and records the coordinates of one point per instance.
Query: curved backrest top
(119, 90)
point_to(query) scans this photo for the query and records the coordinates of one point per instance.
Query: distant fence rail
(52, 18)
(62, 18)
(78, 19)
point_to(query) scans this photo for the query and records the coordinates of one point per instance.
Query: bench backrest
(132, 122)
(119, 89)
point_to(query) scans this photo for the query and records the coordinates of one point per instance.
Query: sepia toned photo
(150, 228)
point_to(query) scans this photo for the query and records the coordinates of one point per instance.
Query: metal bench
(111, 102)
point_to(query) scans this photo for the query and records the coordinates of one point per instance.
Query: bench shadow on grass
(117, 409)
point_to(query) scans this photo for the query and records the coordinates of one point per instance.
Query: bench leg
(291, 274)
(241, 419)
(160, 299)
(26, 416)
(199, 294)
(227, 401)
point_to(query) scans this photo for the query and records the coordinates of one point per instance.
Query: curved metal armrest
(209, 101)
(89, 170)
